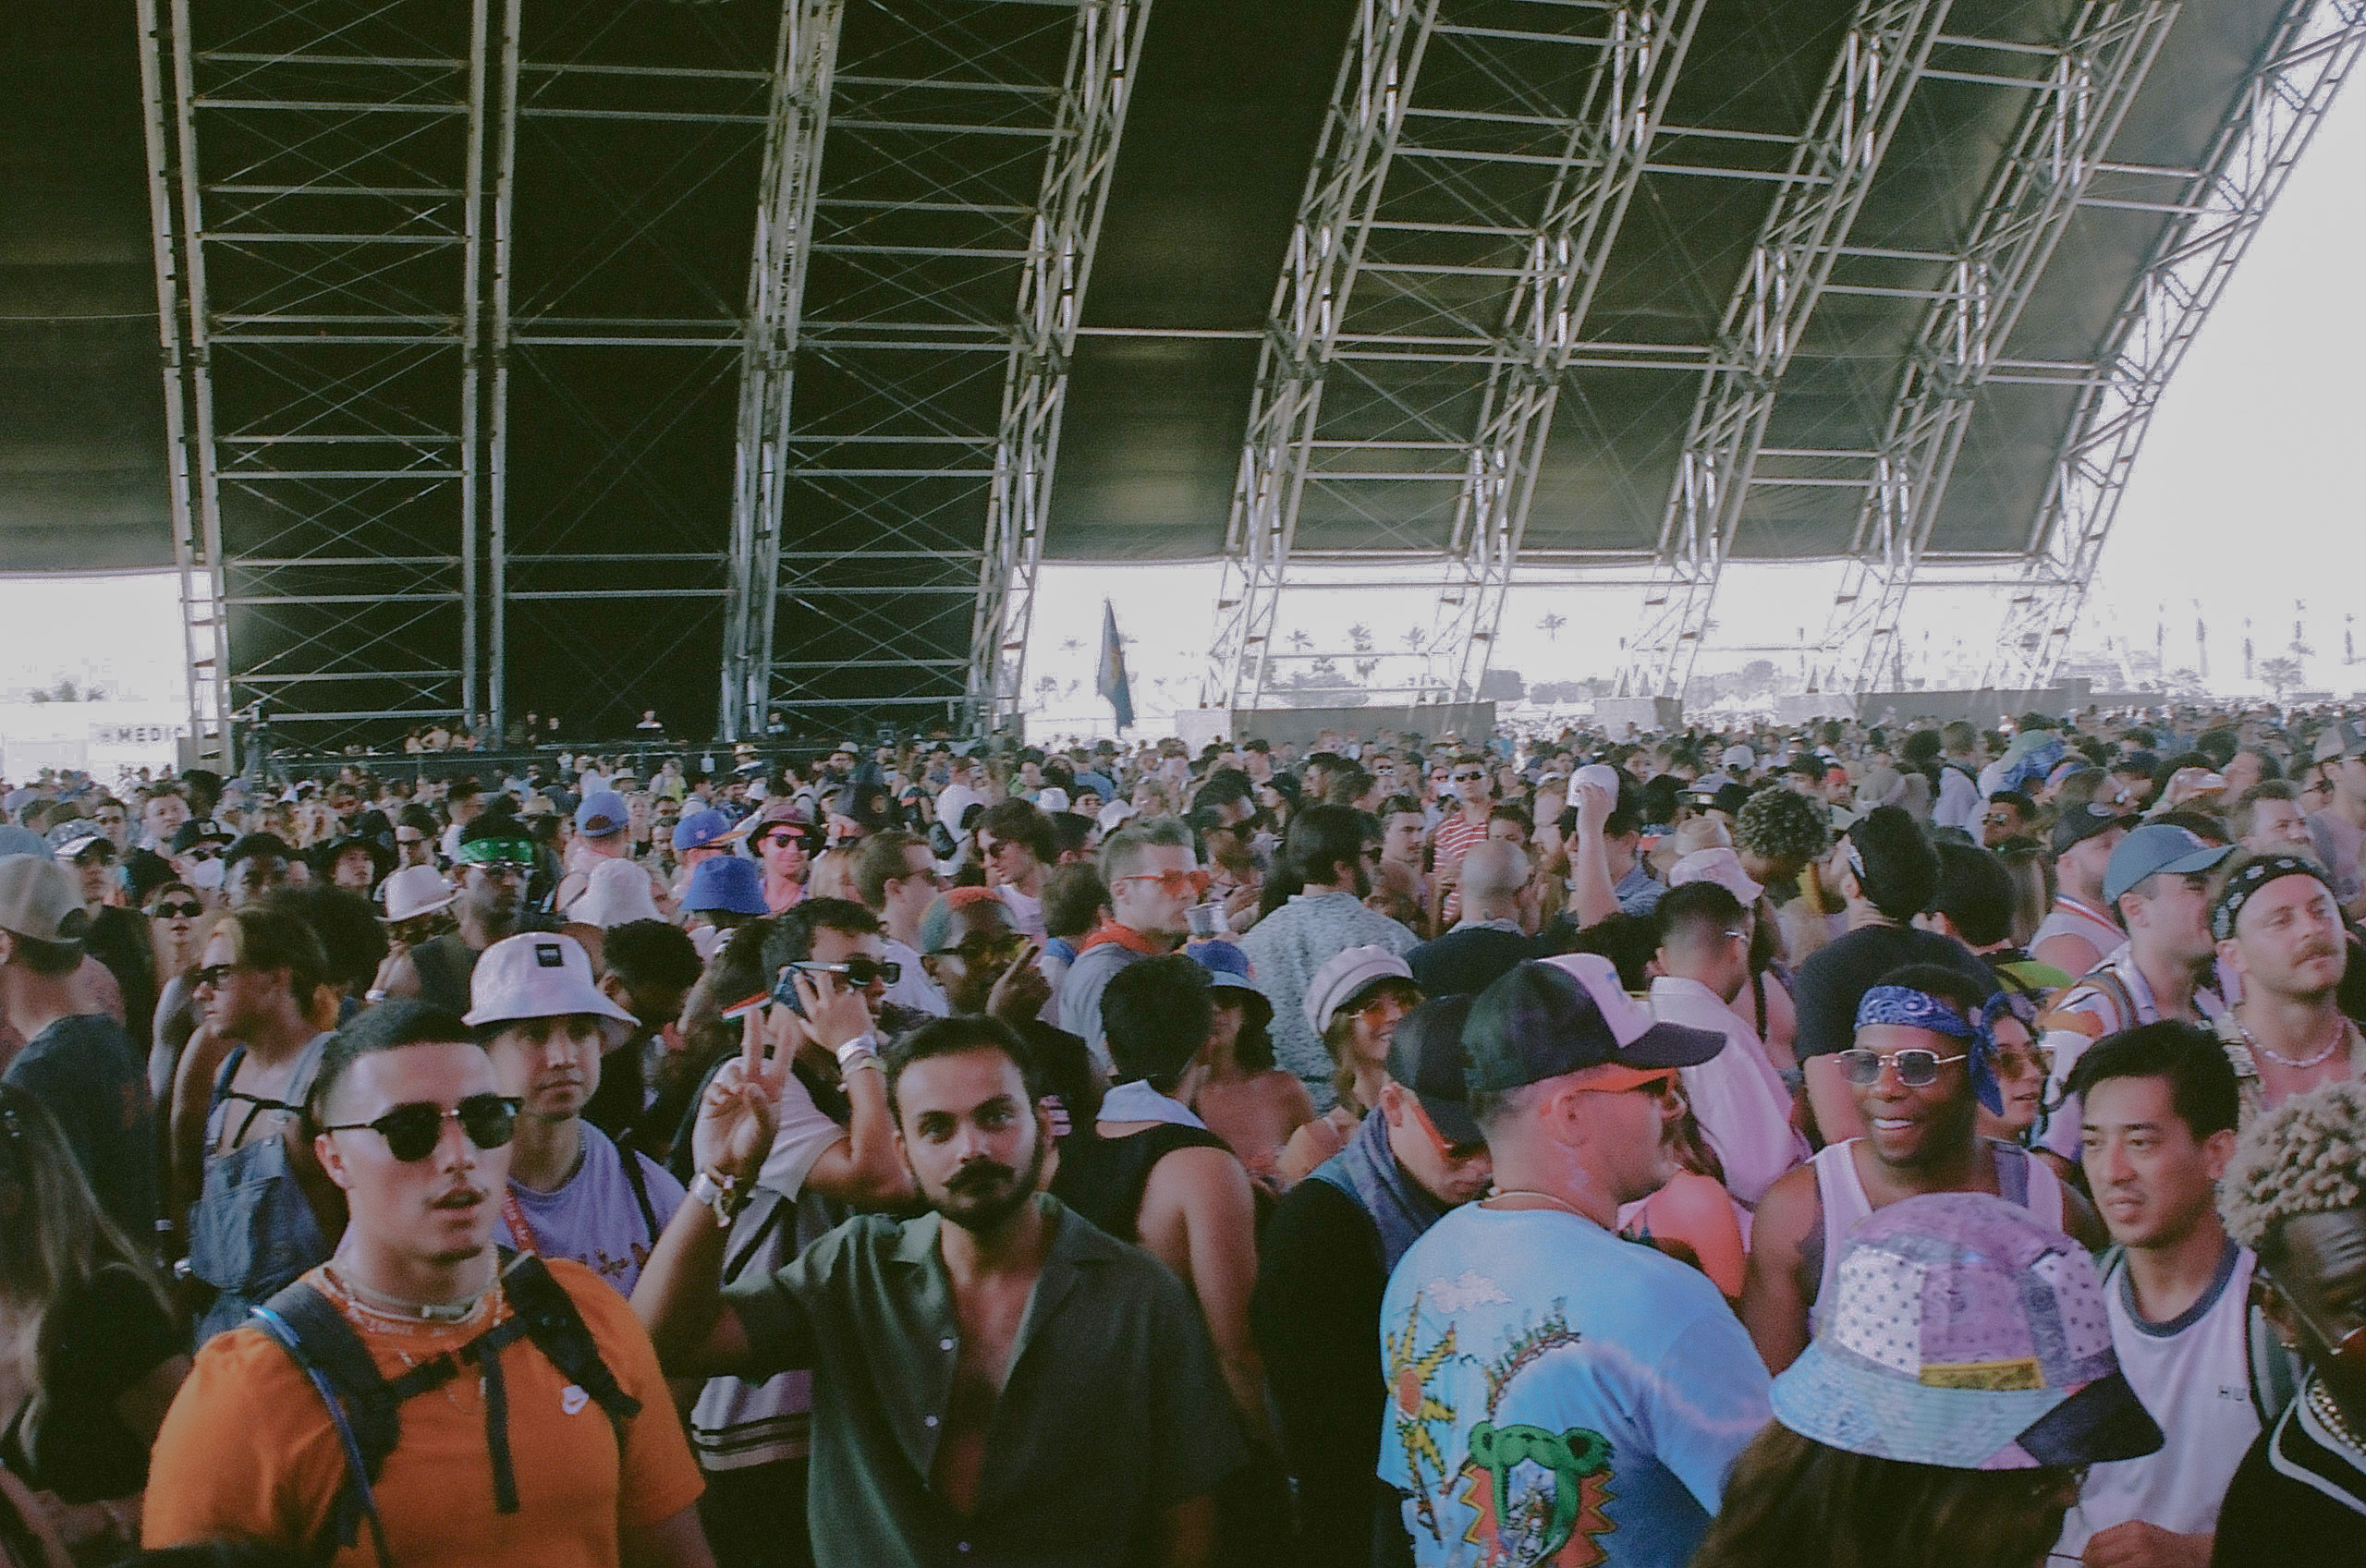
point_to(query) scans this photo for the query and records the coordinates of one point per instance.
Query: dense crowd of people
(1911, 1144)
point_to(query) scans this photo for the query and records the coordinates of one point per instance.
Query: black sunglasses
(857, 972)
(177, 911)
(411, 1131)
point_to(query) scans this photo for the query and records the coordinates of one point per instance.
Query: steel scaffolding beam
(644, 154)
(2315, 45)
(798, 123)
(1881, 57)
(1051, 294)
(2077, 108)
(968, 154)
(1472, 173)
(315, 200)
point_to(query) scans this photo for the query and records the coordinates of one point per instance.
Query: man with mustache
(1111, 1425)
(2280, 934)
(528, 1420)
(572, 1192)
(495, 860)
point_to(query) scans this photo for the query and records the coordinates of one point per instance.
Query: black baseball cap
(1425, 1058)
(1550, 1016)
(2078, 824)
(196, 831)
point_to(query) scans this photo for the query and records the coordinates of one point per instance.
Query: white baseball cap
(1602, 776)
(415, 890)
(1116, 814)
(536, 975)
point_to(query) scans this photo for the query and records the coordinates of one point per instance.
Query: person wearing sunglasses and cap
(1961, 1382)
(1323, 1268)
(559, 1442)
(492, 865)
(1558, 1394)
(2296, 1195)
(1920, 1070)
(572, 1191)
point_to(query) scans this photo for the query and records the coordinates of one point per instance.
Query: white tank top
(2020, 1178)
(2193, 1375)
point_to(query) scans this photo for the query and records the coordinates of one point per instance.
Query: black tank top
(1103, 1179)
(445, 965)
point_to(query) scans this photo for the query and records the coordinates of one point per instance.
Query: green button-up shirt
(1112, 1409)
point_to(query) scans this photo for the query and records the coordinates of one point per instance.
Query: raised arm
(680, 1296)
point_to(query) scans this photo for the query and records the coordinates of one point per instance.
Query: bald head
(1492, 874)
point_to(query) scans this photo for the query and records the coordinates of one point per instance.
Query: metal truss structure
(2217, 211)
(538, 357)
(1474, 168)
(2078, 100)
(316, 180)
(483, 327)
(1832, 169)
(958, 189)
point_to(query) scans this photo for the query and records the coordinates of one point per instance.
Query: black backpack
(366, 1407)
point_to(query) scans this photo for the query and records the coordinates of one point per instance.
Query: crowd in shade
(1912, 1144)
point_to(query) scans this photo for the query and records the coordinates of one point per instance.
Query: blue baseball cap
(602, 814)
(2155, 849)
(728, 883)
(703, 828)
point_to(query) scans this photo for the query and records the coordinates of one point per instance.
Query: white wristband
(861, 1045)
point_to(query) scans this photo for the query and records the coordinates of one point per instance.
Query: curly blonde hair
(2304, 1156)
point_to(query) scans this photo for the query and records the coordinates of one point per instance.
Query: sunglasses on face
(212, 975)
(412, 1131)
(1916, 1068)
(2011, 1064)
(177, 911)
(1378, 1005)
(203, 852)
(859, 973)
(781, 836)
(1193, 883)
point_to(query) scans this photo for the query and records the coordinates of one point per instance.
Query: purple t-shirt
(593, 1217)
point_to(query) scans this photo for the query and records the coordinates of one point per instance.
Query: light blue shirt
(1548, 1381)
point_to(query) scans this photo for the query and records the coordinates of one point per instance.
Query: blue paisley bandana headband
(1921, 1010)
(2248, 878)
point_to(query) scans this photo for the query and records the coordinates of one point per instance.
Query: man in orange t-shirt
(417, 1137)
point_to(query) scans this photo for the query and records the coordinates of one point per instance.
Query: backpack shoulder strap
(332, 1357)
(639, 1181)
(557, 1329)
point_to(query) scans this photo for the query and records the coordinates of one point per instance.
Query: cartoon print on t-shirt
(1538, 1495)
(1417, 1409)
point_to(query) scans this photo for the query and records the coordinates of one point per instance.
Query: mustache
(980, 1175)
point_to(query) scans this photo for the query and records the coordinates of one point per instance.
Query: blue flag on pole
(1110, 681)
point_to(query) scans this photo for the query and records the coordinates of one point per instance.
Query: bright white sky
(2246, 496)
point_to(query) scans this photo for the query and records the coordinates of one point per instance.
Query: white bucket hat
(415, 890)
(537, 975)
